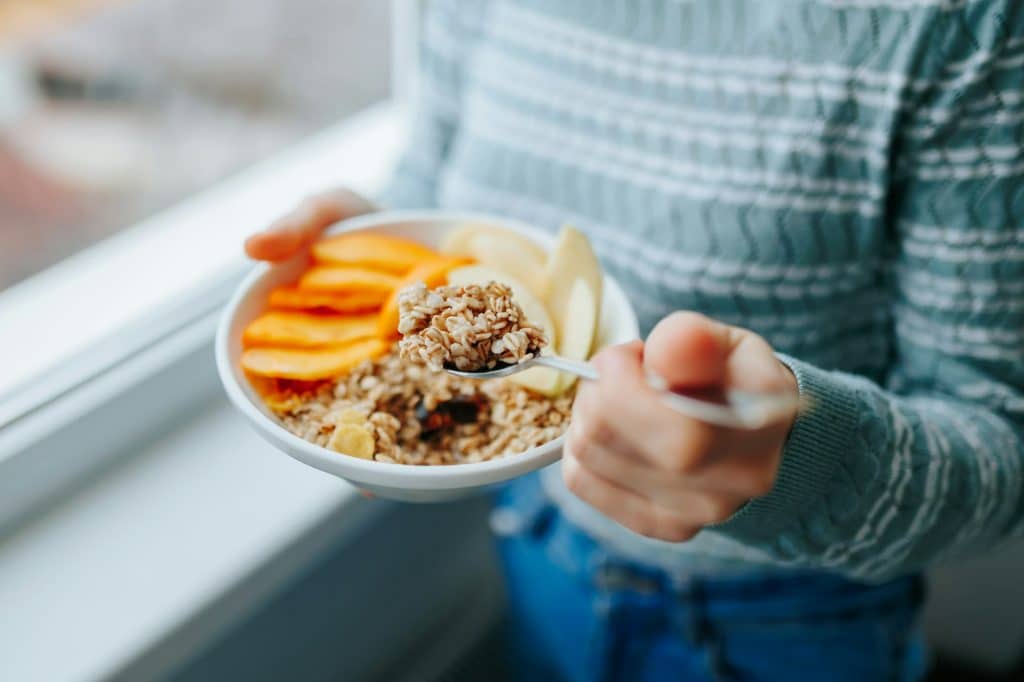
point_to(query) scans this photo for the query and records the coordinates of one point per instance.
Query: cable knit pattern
(844, 177)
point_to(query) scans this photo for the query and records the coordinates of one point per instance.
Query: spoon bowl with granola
(480, 332)
(312, 354)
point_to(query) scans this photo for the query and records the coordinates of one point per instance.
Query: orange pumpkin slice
(296, 299)
(373, 251)
(310, 364)
(433, 273)
(303, 330)
(348, 280)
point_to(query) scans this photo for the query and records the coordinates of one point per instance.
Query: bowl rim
(371, 471)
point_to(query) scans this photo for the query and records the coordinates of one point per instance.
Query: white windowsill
(208, 514)
(115, 570)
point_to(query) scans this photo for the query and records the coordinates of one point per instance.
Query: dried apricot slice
(298, 299)
(305, 364)
(374, 251)
(304, 330)
(340, 279)
(433, 273)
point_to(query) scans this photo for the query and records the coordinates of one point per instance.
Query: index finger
(667, 439)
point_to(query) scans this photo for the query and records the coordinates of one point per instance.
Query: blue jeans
(577, 612)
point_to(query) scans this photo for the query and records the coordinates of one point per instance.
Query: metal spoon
(739, 410)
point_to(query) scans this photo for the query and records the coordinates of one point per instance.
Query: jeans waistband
(525, 512)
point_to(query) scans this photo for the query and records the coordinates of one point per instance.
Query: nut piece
(352, 439)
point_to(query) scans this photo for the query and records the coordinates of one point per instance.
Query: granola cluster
(471, 327)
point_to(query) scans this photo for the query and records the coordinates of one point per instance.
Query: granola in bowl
(348, 350)
(469, 327)
(389, 410)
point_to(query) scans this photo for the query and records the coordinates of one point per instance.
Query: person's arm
(877, 481)
(870, 480)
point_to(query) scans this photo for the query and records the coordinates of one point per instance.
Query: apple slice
(577, 335)
(534, 310)
(577, 329)
(503, 250)
(514, 256)
(457, 241)
(571, 259)
(543, 380)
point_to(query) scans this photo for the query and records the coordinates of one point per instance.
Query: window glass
(111, 110)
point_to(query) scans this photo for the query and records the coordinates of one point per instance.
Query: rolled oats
(507, 417)
(467, 327)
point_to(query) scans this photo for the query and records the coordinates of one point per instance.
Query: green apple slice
(572, 259)
(577, 330)
(576, 333)
(457, 242)
(543, 380)
(516, 256)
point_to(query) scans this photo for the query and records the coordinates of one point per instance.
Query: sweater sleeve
(878, 480)
(450, 31)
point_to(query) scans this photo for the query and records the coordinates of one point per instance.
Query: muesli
(472, 327)
(412, 414)
(350, 355)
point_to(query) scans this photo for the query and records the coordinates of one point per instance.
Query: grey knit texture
(844, 177)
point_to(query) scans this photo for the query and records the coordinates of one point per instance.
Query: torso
(733, 157)
(727, 157)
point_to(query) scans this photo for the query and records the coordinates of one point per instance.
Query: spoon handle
(740, 410)
(584, 370)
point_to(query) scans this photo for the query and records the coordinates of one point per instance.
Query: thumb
(689, 351)
(300, 228)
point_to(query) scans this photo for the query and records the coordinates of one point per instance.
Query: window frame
(141, 371)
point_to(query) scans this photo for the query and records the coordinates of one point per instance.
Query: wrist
(792, 387)
(822, 432)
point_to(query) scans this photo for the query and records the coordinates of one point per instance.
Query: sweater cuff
(822, 433)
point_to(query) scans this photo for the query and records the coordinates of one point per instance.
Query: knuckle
(677, 531)
(572, 479)
(687, 447)
(602, 431)
(586, 402)
(581, 452)
(596, 428)
(717, 509)
(639, 523)
(574, 439)
(609, 354)
(682, 461)
(699, 438)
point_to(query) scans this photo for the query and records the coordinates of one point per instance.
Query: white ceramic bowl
(397, 481)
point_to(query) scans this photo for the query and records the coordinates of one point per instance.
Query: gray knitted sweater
(844, 177)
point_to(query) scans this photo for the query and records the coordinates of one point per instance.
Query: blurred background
(113, 109)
